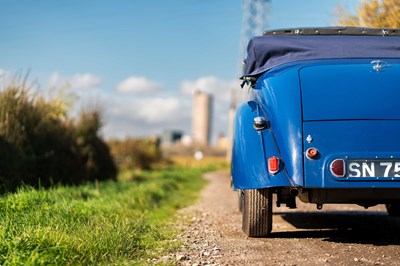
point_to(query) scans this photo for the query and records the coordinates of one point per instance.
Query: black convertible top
(277, 47)
(355, 31)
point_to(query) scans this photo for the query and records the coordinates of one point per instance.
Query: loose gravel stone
(337, 235)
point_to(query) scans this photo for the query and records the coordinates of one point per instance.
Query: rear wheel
(257, 212)
(393, 208)
(240, 199)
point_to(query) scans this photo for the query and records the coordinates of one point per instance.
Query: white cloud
(54, 80)
(146, 115)
(84, 81)
(3, 78)
(158, 110)
(5, 74)
(6, 78)
(148, 110)
(138, 85)
(77, 81)
(221, 89)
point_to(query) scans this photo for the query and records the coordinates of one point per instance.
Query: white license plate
(373, 168)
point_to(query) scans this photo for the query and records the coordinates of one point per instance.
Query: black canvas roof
(278, 47)
(355, 31)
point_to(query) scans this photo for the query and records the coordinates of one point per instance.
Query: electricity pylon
(254, 23)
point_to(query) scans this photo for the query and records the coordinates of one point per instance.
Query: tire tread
(257, 212)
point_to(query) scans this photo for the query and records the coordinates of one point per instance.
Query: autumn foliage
(373, 13)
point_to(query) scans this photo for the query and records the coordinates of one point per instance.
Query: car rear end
(351, 117)
(330, 98)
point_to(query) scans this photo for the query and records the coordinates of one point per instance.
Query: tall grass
(40, 145)
(105, 223)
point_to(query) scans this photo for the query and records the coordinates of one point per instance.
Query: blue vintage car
(322, 122)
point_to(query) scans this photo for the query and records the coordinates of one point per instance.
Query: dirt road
(337, 235)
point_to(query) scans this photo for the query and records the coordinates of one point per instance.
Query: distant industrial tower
(254, 23)
(201, 119)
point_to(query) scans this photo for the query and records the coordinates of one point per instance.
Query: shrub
(40, 146)
(97, 158)
(136, 153)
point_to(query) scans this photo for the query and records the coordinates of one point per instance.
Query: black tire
(393, 209)
(257, 212)
(240, 199)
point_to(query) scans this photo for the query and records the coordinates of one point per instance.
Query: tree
(372, 13)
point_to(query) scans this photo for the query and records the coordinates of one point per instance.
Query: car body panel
(348, 91)
(350, 139)
(346, 117)
(273, 89)
(249, 169)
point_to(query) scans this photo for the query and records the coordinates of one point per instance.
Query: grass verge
(108, 223)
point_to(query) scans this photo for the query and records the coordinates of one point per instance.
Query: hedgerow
(41, 146)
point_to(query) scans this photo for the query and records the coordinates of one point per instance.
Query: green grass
(108, 223)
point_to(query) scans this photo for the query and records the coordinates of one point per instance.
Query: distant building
(232, 112)
(201, 119)
(171, 137)
(222, 142)
(186, 140)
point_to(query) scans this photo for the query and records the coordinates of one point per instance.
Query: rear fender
(249, 168)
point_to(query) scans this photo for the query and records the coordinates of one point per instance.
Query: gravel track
(337, 235)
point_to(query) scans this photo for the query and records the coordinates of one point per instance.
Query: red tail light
(338, 168)
(312, 153)
(273, 165)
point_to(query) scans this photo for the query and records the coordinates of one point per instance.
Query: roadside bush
(136, 153)
(39, 145)
(96, 154)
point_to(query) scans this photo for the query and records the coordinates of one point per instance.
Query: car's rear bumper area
(353, 141)
(361, 196)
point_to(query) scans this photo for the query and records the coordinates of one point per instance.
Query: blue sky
(139, 60)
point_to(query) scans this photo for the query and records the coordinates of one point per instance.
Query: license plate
(373, 168)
